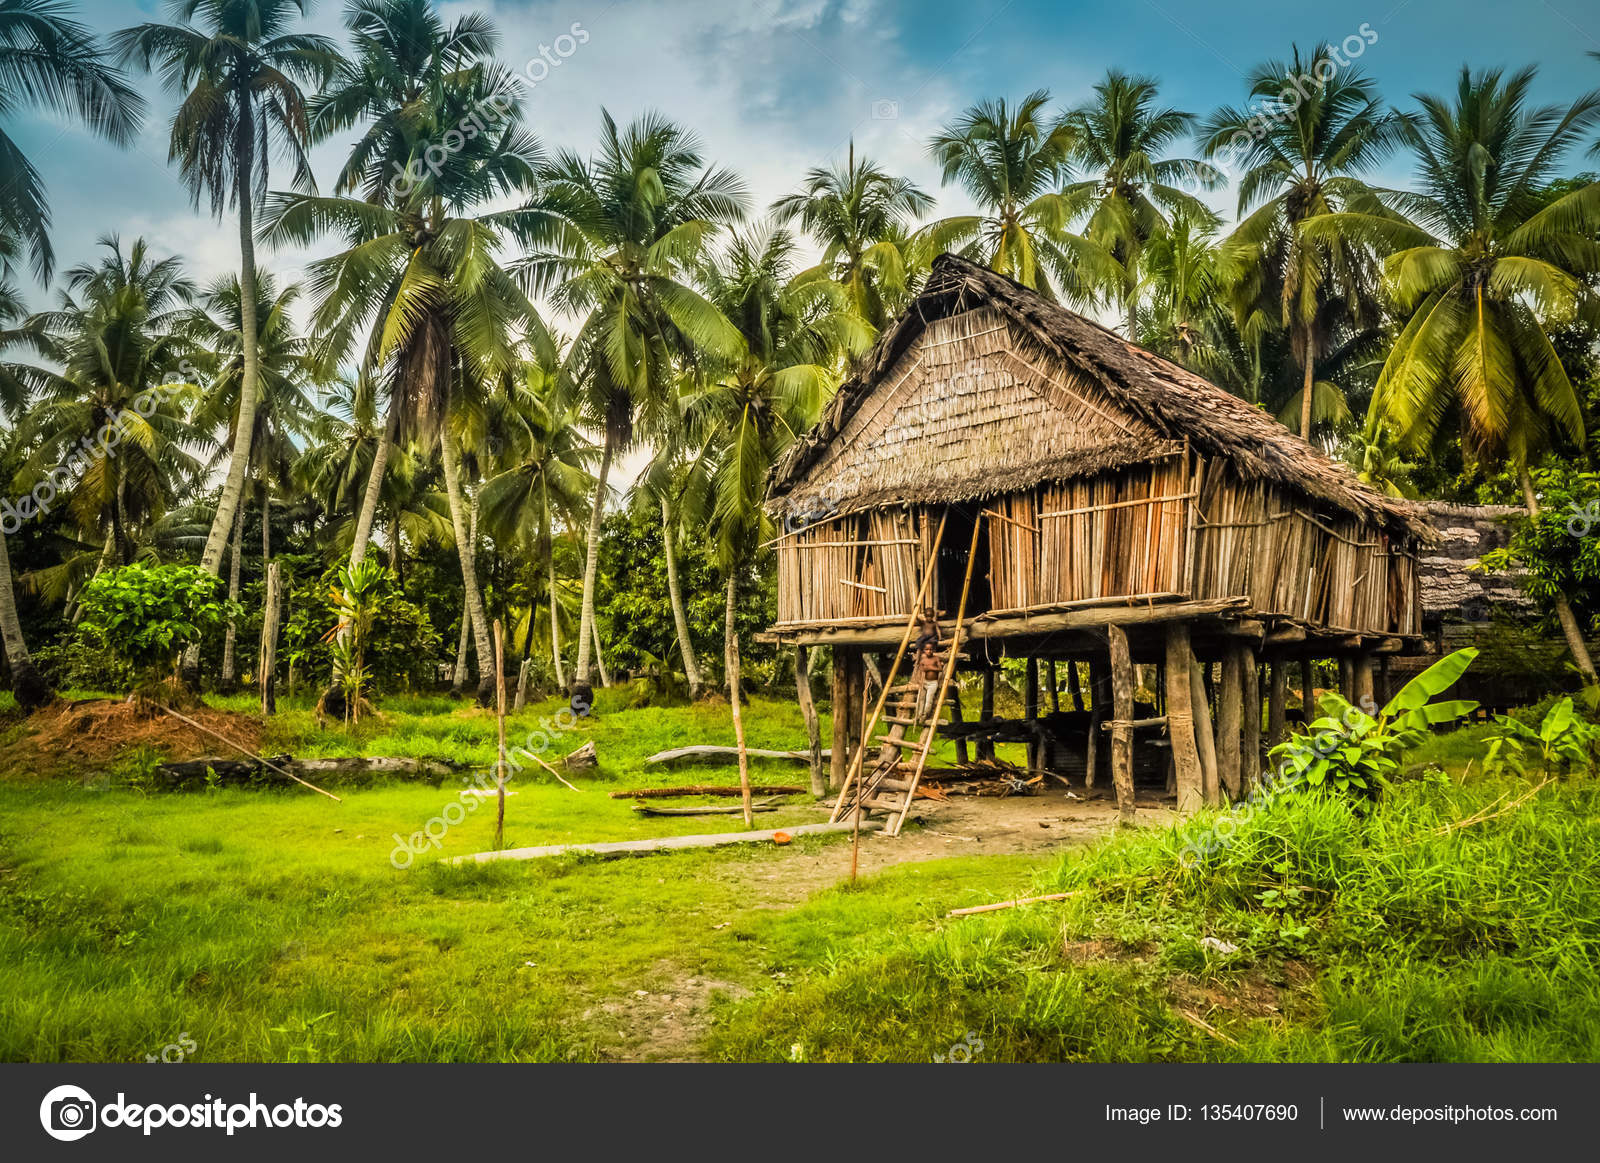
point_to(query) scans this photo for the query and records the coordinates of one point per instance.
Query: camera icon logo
(67, 1113)
(885, 109)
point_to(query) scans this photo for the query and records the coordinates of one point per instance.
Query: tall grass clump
(1443, 922)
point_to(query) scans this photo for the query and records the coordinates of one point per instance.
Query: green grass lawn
(271, 925)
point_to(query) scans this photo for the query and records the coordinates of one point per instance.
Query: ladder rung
(881, 803)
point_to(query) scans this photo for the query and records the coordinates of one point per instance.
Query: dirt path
(669, 1021)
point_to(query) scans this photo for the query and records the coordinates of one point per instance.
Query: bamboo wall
(854, 568)
(1159, 530)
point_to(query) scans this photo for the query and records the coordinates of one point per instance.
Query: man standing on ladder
(929, 668)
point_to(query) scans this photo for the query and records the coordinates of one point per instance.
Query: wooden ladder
(890, 786)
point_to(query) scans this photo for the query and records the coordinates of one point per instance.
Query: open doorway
(952, 564)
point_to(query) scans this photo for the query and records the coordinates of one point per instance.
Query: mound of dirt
(92, 732)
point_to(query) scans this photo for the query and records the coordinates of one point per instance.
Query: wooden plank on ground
(666, 843)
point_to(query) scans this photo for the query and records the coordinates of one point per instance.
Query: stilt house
(1060, 495)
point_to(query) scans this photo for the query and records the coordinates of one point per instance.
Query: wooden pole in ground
(808, 709)
(956, 717)
(1278, 704)
(1073, 685)
(738, 728)
(1382, 693)
(1250, 757)
(267, 658)
(1030, 709)
(1204, 737)
(1055, 691)
(1187, 775)
(1122, 723)
(1347, 679)
(1308, 691)
(500, 733)
(1097, 714)
(1230, 718)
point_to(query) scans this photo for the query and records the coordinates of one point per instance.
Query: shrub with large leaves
(148, 614)
(1562, 742)
(1350, 750)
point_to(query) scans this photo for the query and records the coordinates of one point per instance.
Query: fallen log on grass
(705, 810)
(705, 789)
(710, 753)
(669, 843)
(275, 769)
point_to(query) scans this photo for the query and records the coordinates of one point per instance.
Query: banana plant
(1562, 742)
(1350, 749)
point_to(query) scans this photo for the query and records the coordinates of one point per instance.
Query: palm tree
(421, 278)
(543, 481)
(1185, 315)
(1303, 161)
(609, 240)
(859, 215)
(1481, 267)
(1119, 138)
(403, 60)
(283, 411)
(240, 75)
(796, 330)
(28, 686)
(1011, 161)
(117, 366)
(49, 61)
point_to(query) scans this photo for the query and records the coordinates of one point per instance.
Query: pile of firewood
(982, 777)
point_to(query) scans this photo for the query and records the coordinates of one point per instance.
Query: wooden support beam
(1204, 737)
(1308, 691)
(671, 843)
(808, 711)
(1030, 708)
(1073, 685)
(1055, 687)
(1180, 718)
(1250, 757)
(1284, 635)
(1361, 682)
(1245, 628)
(1347, 679)
(1230, 719)
(1122, 730)
(839, 758)
(1278, 704)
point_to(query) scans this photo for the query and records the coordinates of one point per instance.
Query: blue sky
(775, 88)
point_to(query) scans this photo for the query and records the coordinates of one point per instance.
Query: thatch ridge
(1177, 403)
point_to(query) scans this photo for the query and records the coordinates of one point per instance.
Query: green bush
(146, 615)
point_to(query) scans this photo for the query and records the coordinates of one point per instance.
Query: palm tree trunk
(1308, 385)
(555, 621)
(680, 617)
(27, 684)
(119, 518)
(226, 683)
(245, 422)
(369, 500)
(591, 562)
(466, 544)
(1564, 614)
(599, 655)
(458, 677)
(731, 662)
(1131, 307)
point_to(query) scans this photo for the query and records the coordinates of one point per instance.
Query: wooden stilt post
(1204, 737)
(1278, 704)
(1361, 683)
(1230, 719)
(839, 756)
(1122, 723)
(1308, 691)
(1187, 776)
(1250, 755)
(1055, 689)
(986, 714)
(808, 709)
(1383, 694)
(1347, 679)
(1099, 712)
(957, 717)
(1030, 709)
(1074, 687)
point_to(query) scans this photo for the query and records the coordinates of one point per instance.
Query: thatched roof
(1453, 585)
(1166, 403)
